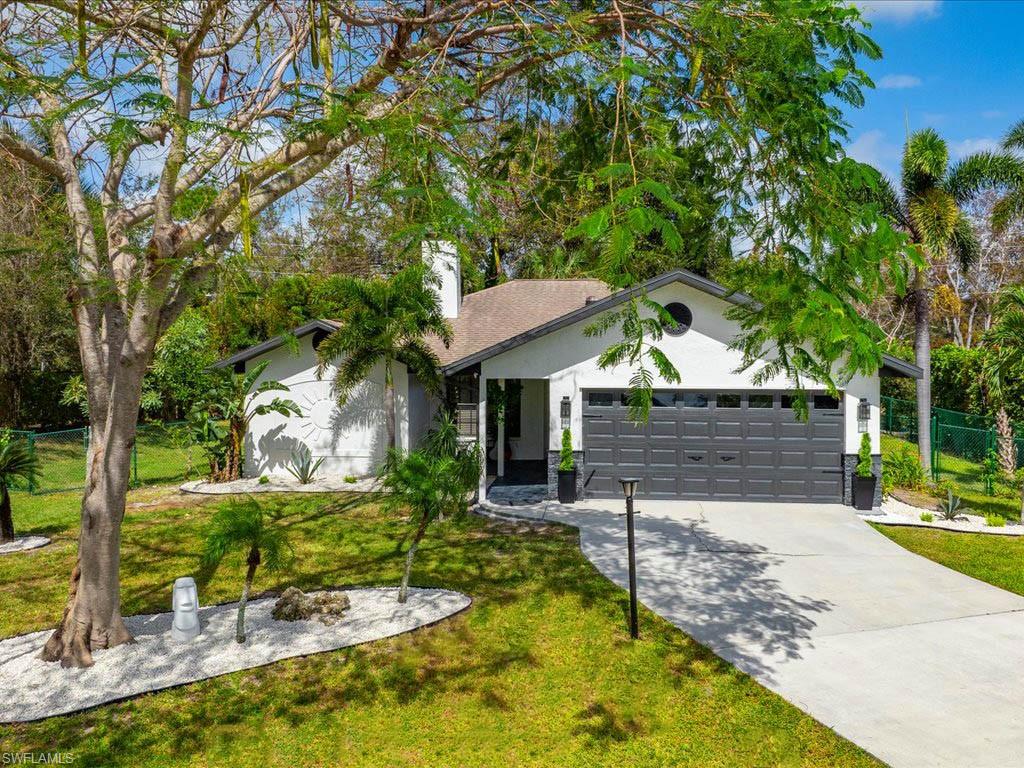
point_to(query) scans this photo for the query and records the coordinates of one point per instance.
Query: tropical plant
(566, 460)
(951, 508)
(927, 517)
(864, 464)
(17, 461)
(386, 321)
(431, 487)
(243, 529)
(902, 469)
(1004, 362)
(928, 208)
(994, 521)
(302, 466)
(210, 435)
(233, 398)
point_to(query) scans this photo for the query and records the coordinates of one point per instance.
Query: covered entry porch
(509, 418)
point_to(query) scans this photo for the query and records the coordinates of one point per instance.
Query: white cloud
(899, 11)
(873, 148)
(970, 146)
(899, 81)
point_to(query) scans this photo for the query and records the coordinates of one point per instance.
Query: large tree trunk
(92, 615)
(6, 519)
(923, 358)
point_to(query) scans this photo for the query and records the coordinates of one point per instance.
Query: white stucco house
(716, 435)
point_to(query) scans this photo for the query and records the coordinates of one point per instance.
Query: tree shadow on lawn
(520, 576)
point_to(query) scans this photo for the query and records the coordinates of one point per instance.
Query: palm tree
(432, 482)
(1005, 360)
(17, 460)
(232, 399)
(385, 321)
(928, 210)
(242, 527)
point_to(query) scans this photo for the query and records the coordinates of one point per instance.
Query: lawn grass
(995, 559)
(163, 454)
(967, 483)
(539, 671)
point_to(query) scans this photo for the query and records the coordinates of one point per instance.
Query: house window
(600, 399)
(663, 400)
(787, 400)
(825, 403)
(760, 401)
(728, 400)
(466, 419)
(682, 317)
(695, 400)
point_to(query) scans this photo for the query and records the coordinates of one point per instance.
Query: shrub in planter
(566, 470)
(864, 479)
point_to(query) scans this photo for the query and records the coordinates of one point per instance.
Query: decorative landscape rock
(296, 605)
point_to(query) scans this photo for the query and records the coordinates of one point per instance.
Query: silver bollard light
(185, 604)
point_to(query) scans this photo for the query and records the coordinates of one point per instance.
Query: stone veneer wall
(553, 458)
(849, 465)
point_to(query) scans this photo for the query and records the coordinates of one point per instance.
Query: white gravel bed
(23, 543)
(896, 512)
(282, 484)
(31, 689)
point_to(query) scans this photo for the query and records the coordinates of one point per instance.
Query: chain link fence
(965, 446)
(164, 453)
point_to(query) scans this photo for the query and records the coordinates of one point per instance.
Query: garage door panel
(760, 459)
(761, 429)
(696, 428)
(664, 428)
(600, 456)
(664, 457)
(760, 453)
(727, 429)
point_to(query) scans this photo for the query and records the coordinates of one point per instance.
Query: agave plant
(952, 508)
(303, 468)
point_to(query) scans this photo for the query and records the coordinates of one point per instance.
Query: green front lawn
(539, 671)
(999, 560)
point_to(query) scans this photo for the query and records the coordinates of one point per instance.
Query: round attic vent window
(683, 318)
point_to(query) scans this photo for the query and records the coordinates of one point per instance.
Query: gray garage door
(715, 445)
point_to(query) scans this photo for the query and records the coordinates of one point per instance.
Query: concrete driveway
(918, 664)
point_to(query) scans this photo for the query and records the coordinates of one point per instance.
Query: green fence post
(935, 448)
(32, 450)
(990, 439)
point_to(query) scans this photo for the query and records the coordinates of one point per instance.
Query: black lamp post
(629, 485)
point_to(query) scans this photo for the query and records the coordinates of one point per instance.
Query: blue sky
(953, 65)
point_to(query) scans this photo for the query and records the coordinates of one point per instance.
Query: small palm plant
(952, 507)
(302, 467)
(431, 486)
(17, 461)
(243, 527)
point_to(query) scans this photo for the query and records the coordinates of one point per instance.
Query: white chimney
(443, 259)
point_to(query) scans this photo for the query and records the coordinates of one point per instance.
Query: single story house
(716, 435)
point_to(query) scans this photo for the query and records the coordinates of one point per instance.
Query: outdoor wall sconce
(566, 411)
(863, 415)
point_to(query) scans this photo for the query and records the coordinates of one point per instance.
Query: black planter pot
(864, 492)
(566, 486)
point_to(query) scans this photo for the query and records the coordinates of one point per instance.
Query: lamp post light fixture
(566, 411)
(629, 485)
(863, 415)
